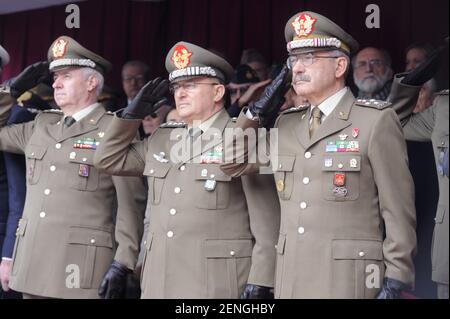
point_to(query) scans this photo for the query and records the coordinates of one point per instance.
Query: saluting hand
(29, 78)
(148, 100)
(266, 107)
(253, 91)
(426, 70)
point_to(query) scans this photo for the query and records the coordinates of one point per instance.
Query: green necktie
(69, 120)
(317, 115)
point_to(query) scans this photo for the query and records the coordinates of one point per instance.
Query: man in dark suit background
(13, 198)
(5, 227)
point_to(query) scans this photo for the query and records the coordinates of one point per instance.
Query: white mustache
(371, 75)
(301, 77)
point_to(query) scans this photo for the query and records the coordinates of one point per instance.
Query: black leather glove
(114, 282)
(267, 106)
(29, 78)
(148, 100)
(426, 70)
(256, 292)
(133, 288)
(33, 101)
(391, 289)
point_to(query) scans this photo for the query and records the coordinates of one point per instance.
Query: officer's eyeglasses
(363, 64)
(187, 86)
(137, 78)
(305, 59)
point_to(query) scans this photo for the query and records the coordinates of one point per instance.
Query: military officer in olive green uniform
(432, 125)
(341, 173)
(210, 236)
(66, 240)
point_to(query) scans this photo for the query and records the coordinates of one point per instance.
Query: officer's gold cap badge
(304, 25)
(181, 57)
(59, 48)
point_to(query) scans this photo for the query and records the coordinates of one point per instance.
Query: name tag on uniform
(83, 171)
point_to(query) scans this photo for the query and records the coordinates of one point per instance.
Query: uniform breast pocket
(156, 173)
(284, 175)
(212, 187)
(83, 175)
(340, 177)
(91, 250)
(34, 158)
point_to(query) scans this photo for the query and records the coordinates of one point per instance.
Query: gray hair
(100, 79)
(340, 54)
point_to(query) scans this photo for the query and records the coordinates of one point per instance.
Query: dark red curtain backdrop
(121, 30)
